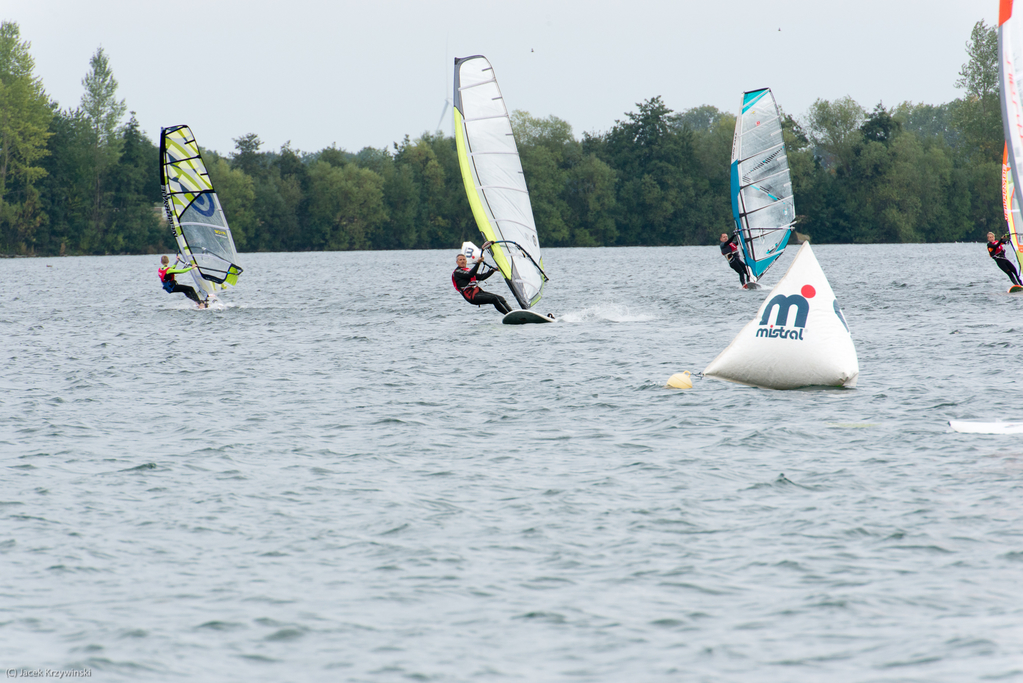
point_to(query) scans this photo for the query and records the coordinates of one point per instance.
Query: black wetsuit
(465, 279)
(187, 291)
(996, 250)
(731, 250)
(171, 286)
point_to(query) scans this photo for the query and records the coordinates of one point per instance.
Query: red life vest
(164, 275)
(996, 249)
(469, 290)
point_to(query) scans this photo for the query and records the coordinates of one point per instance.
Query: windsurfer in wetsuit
(167, 273)
(466, 281)
(730, 250)
(996, 250)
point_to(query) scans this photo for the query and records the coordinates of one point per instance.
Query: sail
(492, 174)
(1010, 205)
(193, 208)
(762, 203)
(1010, 73)
(798, 338)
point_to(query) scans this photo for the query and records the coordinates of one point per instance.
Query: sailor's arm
(175, 271)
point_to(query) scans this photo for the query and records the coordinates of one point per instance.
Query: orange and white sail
(1010, 77)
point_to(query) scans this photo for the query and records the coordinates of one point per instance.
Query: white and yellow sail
(193, 209)
(493, 178)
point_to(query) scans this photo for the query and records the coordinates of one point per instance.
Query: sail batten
(492, 175)
(759, 155)
(753, 183)
(484, 118)
(761, 185)
(200, 228)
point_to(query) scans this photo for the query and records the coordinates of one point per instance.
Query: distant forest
(86, 180)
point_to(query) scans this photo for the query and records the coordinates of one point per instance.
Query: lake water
(349, 474)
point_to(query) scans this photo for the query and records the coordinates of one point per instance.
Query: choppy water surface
(355, 476)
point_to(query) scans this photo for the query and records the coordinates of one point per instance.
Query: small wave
(616, 313)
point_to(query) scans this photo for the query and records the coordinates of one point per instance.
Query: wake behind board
(524, 317)
(965, 427)
(1015, 289)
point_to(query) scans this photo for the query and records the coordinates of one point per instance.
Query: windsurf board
(524, 317)
(969, 427)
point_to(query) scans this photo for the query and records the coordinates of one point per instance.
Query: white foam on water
(187, 304)
(616, 313)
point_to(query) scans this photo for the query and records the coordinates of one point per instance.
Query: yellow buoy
(680, 380)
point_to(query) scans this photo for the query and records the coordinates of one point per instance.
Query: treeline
(84, 181)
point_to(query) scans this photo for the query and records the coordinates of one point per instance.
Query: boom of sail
(193, 209)
(762, 203)
(494, 183)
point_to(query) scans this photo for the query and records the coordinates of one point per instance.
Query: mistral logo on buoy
(784, 305)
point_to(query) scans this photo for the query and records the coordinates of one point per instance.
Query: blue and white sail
(762, 203)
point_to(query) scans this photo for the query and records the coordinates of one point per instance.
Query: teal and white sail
(193, 209)
(493, 179)
(762, 203)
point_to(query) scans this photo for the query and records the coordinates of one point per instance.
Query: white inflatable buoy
(680, 380)
(799, 337)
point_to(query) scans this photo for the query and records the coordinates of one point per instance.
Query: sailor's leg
(1008, 269)
(187, 291)
(740, 268)
(483, 298)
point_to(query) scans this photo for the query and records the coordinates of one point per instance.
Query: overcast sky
(367, 73)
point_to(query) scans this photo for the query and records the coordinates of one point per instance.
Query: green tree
(237, 197)
(590, 195)
(25, 113)
(834, 130)
(346, 207)
(135, 221)
(661, 195)
(427, 175)
(927, 121)
(247, 156)
(103, 113)
(712, 132)
(67, 187)
(979, 76)
(977, 115)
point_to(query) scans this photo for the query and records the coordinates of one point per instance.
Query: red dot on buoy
(808, 291)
